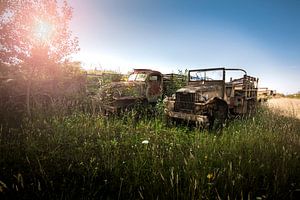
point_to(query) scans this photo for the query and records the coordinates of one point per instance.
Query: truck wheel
(251, 107)
(168, 121)
(218, 114)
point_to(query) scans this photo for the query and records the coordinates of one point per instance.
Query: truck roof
(145, 70)
(219, 68)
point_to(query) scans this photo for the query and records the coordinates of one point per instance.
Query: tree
(28, 25)
(35, 35)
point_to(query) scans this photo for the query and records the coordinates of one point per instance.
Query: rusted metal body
(208, 98)
(143, 86)
(263, 94)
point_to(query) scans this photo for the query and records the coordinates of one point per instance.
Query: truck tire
(169, 121)
(251, 106)
(218, 114)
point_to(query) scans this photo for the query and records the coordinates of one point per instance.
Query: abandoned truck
(263, 94)
(144, 86)
(208, 98)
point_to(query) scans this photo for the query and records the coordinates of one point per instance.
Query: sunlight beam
(43, 31)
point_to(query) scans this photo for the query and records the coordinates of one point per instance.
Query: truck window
(213, 75)
(154, 78)
(132, 77)
(141, 77)
(137, 77)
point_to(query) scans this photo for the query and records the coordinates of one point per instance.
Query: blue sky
(261, 36)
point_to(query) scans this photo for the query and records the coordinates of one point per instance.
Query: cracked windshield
(206, 75)
(137, 77)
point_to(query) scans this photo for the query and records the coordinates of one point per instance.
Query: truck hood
(119, 90)
(198, 89)
(125, 84)
(203, 92)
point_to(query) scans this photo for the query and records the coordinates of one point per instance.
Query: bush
(48, 94)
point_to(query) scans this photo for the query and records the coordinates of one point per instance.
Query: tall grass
(84, 156)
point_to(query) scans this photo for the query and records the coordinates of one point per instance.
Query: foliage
(173, 82)
(38, 37)
(35, 42)
(295, 96)
(91, 157)
(62, 93)
(98, 79)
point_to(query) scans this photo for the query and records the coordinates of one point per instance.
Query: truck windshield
(213, 75)
(137, 77)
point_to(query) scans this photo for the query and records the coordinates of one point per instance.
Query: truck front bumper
(201, 119)
(111, 109)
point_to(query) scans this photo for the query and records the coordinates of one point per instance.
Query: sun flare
(43, 30)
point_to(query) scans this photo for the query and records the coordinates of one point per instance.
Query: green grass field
(91, 157)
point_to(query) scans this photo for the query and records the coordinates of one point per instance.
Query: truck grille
(185, 102)
(187, 97)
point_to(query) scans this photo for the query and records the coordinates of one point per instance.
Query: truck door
(154, 88)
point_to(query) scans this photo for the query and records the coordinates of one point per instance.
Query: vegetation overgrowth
(84, 156)
(294, 96)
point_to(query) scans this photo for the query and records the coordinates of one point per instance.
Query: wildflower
(145, 142)
(210, 176)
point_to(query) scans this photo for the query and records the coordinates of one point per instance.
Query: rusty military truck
(208, 98)
(264, 94)
(143, 87)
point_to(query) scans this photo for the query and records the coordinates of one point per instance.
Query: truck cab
(142, 86)
(153, 83)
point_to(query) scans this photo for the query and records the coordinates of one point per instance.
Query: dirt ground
(286, 106)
